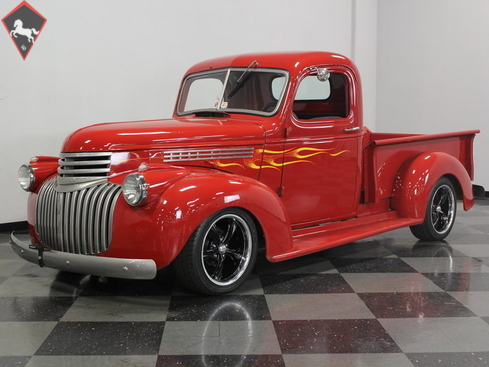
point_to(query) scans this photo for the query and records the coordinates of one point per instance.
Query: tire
(220, 254)
(440, 214)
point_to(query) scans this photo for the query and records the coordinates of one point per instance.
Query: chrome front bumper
(85, 264)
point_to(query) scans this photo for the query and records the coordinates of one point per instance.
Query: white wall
(116, 60)
(364, 53)
(433, 70)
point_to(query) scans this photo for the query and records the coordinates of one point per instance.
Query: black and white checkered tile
(385, 301)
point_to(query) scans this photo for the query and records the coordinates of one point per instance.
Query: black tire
(220, 254)
(440, 215)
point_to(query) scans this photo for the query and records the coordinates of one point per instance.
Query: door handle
(356, 128)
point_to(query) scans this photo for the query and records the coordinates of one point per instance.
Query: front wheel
(440, 213)
(220, 254)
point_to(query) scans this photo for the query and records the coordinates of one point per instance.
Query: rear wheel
(440, 213)
(220, 254)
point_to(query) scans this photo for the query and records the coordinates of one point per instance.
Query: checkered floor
(385, 301)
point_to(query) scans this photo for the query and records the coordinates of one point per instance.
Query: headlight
(26, 177)
(135, 189)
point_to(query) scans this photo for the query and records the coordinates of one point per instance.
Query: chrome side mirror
(323, 74)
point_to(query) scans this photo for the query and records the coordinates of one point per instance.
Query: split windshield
(249, 90)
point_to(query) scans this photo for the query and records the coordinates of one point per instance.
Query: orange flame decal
(275, 159)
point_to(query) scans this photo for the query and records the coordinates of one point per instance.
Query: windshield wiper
(243, 77)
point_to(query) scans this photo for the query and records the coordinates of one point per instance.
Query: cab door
(321, 164)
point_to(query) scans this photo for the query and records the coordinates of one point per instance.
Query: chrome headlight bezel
(134, 189)
(26, 176)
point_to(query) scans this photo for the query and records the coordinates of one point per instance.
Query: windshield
(241, 90)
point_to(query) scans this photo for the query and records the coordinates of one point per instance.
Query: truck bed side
(384, 154)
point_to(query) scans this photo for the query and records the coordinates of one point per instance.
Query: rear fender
(416, 178)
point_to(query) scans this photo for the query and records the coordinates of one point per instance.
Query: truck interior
(316, 100)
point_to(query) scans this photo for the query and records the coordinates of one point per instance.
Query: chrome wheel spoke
(215, 234)
(442, 199)
(235, 255)
(435, 217)
(217, 275)
(231, 229)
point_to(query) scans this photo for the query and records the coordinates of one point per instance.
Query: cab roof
(293, 61)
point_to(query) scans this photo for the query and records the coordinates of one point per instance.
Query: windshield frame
(184, 91)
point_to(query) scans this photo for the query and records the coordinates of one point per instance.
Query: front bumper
(85, 264)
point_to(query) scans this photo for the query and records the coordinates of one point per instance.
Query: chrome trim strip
(83, 163)
(79, 171)
(69, 184)
(86, 264)
(177, 155)
(85, 154)
(78, 180)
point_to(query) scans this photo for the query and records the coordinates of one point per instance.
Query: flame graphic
(275, 159)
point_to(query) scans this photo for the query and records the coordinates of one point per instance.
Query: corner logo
(24, 24)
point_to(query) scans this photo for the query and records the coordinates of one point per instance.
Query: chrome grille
(81, 170)
(206, 154)
(92, 164)
(78, 222)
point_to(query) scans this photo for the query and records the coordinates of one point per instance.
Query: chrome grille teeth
(77, 222)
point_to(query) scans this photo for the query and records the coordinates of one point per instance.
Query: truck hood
(154, 134)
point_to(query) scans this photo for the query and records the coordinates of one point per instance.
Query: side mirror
(323, 74)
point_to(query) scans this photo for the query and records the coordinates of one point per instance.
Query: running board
(309, 240)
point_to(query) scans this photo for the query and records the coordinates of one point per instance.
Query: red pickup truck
(264, 151)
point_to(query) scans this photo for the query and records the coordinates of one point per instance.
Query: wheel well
(456, 185)
(259, 229)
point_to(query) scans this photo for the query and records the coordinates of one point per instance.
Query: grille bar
(206, 154)
(84, 164)
(79, 171)
(78, 222)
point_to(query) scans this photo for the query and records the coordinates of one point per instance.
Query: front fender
(43, 167)
(416, 178)
(187, 203)
(165, 224)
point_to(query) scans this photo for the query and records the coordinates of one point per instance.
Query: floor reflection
(389, 300)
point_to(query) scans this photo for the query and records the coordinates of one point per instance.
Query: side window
(317, 100)
(311, 89)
